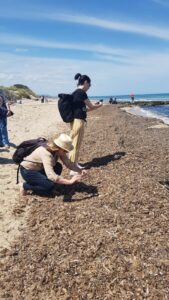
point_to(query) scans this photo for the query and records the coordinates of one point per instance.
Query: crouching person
(41, 170)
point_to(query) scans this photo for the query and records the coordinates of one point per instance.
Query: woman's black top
(79, 107)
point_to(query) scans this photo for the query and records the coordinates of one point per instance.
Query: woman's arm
(9, 113)
(75, 178)
(8, 106)
(72, 166)
(92, 106)
(69, 164)
(47, 161)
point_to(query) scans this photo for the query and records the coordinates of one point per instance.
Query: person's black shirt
(79, 107)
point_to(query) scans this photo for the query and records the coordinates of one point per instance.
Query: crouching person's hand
(76, 178)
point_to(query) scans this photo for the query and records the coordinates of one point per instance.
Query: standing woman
(4, 113)
(81, 104)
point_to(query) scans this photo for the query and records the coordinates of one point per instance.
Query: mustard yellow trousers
(76, 134)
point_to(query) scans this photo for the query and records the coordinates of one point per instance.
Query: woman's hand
(91, 106)
(100, 104)
(9, 113)
(76, 178)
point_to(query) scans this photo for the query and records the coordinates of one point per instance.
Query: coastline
(111, 240)
(138, 111)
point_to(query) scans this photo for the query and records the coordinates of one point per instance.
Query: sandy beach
(104, 238)
(31, 120)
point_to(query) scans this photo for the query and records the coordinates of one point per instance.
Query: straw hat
(64, 142)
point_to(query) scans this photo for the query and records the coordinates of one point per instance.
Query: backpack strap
(17, 175)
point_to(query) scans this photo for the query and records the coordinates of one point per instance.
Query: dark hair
(82, 78)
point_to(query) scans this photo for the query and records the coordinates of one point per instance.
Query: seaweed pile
(106, 237)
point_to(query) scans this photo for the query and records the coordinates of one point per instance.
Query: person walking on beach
(42, 100)
(132, 98)
(41, 169)
(81, 104)
(4, 113)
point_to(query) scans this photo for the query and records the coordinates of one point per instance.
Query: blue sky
(123, 45)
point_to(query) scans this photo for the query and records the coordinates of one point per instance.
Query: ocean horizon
(160, 112)
(137, 97)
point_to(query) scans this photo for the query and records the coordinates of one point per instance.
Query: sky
(122, 45)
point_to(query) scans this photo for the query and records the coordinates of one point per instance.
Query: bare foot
(22, 191)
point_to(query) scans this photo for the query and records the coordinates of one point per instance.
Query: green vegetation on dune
(18, 91)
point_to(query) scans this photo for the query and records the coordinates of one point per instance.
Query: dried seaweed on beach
(104, 238)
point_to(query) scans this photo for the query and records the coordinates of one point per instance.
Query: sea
(158, 111)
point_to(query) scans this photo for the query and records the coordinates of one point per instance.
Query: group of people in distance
(113, 101)
(41, 170)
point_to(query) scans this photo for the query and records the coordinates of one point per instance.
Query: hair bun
(77, 76)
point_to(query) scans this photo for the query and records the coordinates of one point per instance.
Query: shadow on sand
(104, 160)
(5, 161)
(89, 191)
(165, 183)
(68, 192)
(13, 145)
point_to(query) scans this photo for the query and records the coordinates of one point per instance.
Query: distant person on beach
(4, 113)
(132, 98)
(113, 101)
(42, 100)
(81, 104)
(41, 169)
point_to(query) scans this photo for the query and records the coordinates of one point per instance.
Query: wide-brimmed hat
(64, 142)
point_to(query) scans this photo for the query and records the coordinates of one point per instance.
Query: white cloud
(149, 73)
(162, 2)
(21, 50)
(148, 30)
(115, 59)
(130, 27)
(19, 40)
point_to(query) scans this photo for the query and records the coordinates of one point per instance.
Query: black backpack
(26, 148)
(65, 107)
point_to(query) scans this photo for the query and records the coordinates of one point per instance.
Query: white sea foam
(138, 111)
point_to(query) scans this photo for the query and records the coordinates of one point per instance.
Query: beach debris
(111, 241)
